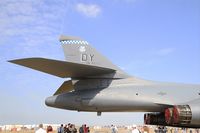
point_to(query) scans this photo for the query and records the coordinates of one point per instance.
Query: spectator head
(49, 129)
(61, 125)
(134, 126)
(84, 125)
(41, 126)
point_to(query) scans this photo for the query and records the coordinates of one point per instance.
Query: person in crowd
(114, 129)
(184, 130)
(70, 128)
(145, 129)
(175, 130)
(85, 128)
(74, 128)
(40, 130)
(134, 129)
(88, 129)
(66, 129)
(61, 129)
(81, 129)
(197, 130)
(164, 129)
(49, 129)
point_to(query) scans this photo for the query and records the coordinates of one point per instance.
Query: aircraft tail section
(83, 62)
(79, 51)
(64, 69)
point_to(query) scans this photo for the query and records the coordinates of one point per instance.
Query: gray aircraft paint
(97, 85)
(83, 53)
(129, 95)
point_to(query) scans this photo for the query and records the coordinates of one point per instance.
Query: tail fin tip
(72, 40)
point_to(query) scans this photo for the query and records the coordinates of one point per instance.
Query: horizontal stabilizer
(67, 86)
(62, 69)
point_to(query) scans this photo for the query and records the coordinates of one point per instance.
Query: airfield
(97, 129)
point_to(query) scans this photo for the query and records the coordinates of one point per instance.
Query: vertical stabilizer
(78, 50)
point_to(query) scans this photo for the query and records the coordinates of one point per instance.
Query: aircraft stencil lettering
(104, 87)
(86, 57)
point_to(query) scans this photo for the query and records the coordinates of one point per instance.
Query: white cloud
(89, 10)
(25, 18)
(28, 25)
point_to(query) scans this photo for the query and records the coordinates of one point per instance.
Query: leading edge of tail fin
(64, 69)
(80, 51)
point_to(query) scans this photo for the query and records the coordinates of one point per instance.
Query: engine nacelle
(179, 115)
(154, 119)
(169, 116)
(182, 114)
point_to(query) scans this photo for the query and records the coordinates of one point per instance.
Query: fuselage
(171, 104)
(127, 95)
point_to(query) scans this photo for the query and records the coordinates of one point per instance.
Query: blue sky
(152, 39)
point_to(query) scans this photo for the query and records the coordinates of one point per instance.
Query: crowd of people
(41, 130)
(84, 129)
(134, 129)
(160, 129)
(68, 128)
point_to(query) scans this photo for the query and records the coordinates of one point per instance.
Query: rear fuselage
(126, 95)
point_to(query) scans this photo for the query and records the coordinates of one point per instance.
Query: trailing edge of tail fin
(79, 51)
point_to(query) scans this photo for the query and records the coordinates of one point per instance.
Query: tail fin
(79, 51)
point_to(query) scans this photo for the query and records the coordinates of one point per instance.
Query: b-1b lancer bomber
(97, 85)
